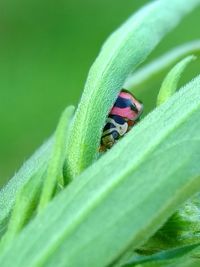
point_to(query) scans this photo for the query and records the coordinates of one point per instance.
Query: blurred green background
(46, 50)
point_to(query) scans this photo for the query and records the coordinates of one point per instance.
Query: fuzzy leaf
(124, 50)
(37, 163)
(26, 203)
(123, 198)
(30, 168)
(170, 83)
(56, 162)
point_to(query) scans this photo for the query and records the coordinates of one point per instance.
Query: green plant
(113, 207)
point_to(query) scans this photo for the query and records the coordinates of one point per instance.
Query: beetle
(124, 114)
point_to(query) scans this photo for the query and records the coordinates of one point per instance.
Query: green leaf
(161, 256)
(28, 194)
(158, 263)
(181, 229)
(124, 50)
(56, 161)
(30, 168)
(151, 71)
(123, 198)
(26, 203)
(191, 259)
(170, 83)
(180, 232)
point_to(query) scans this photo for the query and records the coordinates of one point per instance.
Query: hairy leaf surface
(122, 199)
(124, 50)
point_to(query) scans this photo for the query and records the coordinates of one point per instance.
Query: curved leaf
(28, 195)
(122, 53)
(35, 165)
(122, 199)
(30, 168)
(170, 83)
(25, 204)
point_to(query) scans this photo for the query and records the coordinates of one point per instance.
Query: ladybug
(124, 114)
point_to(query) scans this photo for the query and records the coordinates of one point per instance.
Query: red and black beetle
(125, 112)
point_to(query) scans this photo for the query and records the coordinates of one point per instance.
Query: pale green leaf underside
(170, 83)
(148, 173)
(161, 64)
(122, 53)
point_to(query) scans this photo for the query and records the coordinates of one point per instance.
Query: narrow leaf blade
(161, 256)
(170, 83)
(56, 162)
(25, 205)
